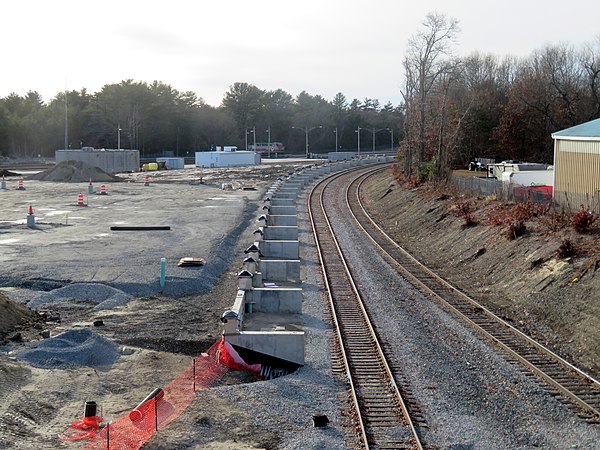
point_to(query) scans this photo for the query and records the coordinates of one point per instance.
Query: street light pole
(357, 131)
(253, 131)
(306, 131)
(373, 140)
(118, 136)
(269, 140)
(336, 139)
(391, 130)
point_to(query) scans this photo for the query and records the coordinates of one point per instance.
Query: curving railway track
(379, 412)
(363, 356)
(561, 377)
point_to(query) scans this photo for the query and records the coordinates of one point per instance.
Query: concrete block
(282, 210)
(283, 221)
(279, 249)
(286, 345)
(274, 233)
(283, 202)
(280, 300)
(279, 270)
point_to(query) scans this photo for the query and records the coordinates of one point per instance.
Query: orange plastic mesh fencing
(135, 428)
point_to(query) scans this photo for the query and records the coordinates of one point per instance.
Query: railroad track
(379, 413)
(573, 386)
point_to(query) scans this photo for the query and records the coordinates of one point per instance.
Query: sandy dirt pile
(523, 280)
(14, 317)
(74, 172)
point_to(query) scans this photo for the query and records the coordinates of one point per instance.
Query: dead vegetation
(529, 263)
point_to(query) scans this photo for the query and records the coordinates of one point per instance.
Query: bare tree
(590, 60)
(426, 60)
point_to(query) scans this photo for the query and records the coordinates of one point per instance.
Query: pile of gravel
(73, 348)
(105, 297)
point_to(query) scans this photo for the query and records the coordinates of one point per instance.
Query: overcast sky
(323, 47)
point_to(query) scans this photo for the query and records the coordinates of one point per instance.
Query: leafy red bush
(464, 210)
(556, 221)
(566, 249)
(583, 220)
(515, 229)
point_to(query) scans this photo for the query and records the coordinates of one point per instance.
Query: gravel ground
(470, 395)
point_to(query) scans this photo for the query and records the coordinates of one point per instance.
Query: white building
(227, 159)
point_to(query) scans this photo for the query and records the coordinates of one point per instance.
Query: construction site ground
(81, 275)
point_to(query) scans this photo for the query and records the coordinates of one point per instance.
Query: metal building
(577, 166)
(109, 160)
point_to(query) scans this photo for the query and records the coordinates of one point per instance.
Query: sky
(321, 47)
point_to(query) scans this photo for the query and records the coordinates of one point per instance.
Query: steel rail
(571, 382)
(374, 393)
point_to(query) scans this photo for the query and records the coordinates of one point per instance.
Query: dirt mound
(74, 172)
(14, 316)
(8, 173)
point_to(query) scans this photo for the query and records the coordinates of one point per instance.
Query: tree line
(156, 118)
(453, 109)
(456, 109)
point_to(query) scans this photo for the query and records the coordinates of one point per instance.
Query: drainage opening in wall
(271, 367)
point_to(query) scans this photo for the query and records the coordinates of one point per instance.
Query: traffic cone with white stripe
(147, 181)
(80, 201)
(103, 190)
(21, 187)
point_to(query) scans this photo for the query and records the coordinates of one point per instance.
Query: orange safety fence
(162, 406)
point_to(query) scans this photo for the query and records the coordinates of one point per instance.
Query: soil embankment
(523, 280)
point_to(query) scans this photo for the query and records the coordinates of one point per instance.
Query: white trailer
(227, 159)
(496, 170)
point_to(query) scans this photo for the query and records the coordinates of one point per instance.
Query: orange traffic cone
(103, 190)
(80, 200)
(30, 217)
(21, 187)
(147, 181)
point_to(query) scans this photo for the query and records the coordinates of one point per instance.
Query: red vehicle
(269, 149)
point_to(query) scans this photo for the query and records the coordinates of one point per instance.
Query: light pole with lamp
(118, 136)
(391, 130)
(253, 131)
(374, 139)
(306, 131)
(377, 131)
(269, 140)
(357, 131)
(336, 139)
